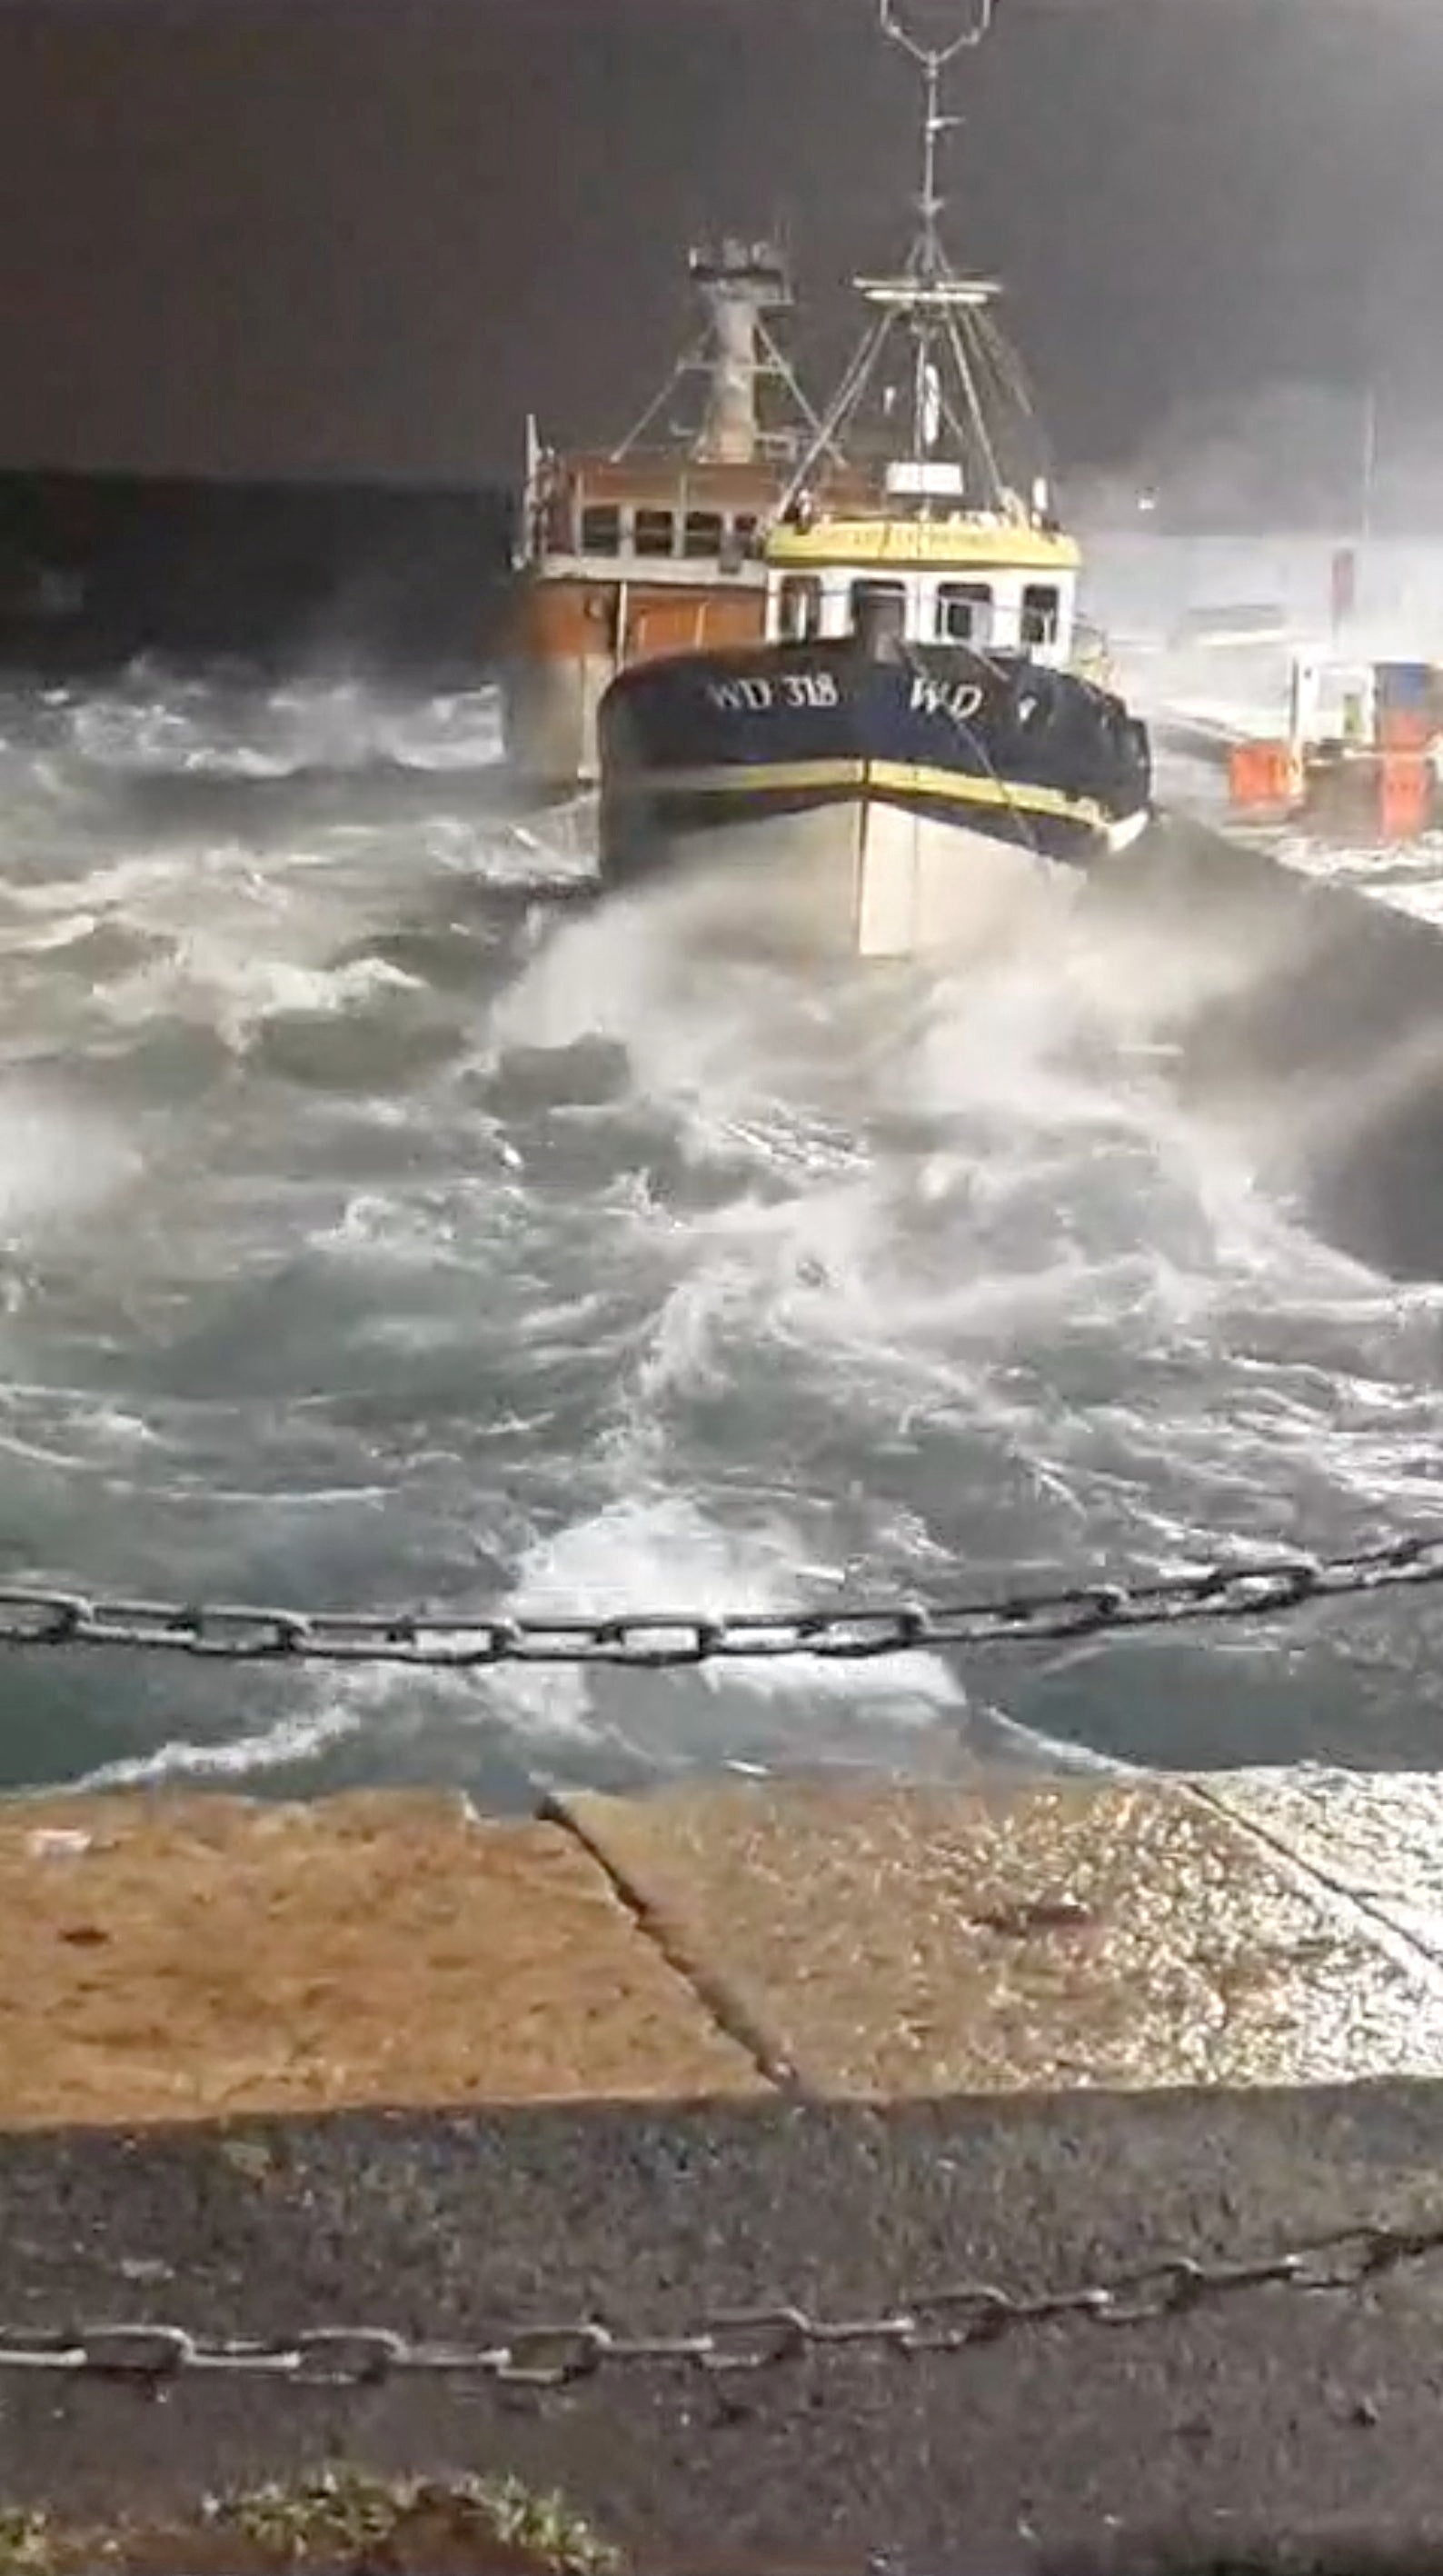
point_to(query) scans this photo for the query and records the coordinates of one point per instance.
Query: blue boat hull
(873, 805)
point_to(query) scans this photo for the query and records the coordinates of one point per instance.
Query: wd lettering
(740, 697)
(960, 699)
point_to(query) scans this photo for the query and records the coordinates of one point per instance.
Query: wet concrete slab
(914, 1942)
(1378, 1837)
(201, 1957)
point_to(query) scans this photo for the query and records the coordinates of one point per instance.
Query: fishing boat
(915, 750)
(654, 545)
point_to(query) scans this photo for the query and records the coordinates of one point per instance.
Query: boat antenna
(946, 314)
(934, 60)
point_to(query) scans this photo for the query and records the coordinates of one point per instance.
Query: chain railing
(655, 1640)
(939, 2318)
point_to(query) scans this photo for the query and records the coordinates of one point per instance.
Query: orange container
(1405, 796)
(1263, 777)
(1405, 728)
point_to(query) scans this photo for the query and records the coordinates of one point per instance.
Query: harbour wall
(96, 570)
(1307, 1015)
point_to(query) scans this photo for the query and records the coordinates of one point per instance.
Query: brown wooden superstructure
(656, 545)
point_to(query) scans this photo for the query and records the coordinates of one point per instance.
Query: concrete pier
(378, 2062)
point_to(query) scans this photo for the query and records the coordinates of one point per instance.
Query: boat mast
(928, 256)
(947, 315)
(740, 284)
(933, 310)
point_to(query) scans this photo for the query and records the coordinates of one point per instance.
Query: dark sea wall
(95, 570)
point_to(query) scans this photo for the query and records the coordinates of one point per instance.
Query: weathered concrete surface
(1376, 1837)
(1103, 1988)
(166, 1958)
(200, 1957)
(904, 1942)
(1272, 2413)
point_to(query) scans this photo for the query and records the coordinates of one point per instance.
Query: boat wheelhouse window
(964, 612)
(801, 603)
(739, 541)
(879, 609)
(601, 529)
(1041, 613)
(655, 532)
(702, 534)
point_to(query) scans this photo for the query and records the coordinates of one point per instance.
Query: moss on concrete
(339, 2521)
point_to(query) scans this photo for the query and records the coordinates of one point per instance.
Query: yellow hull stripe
(883, 777)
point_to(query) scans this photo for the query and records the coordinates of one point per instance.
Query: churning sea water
(380, 1228)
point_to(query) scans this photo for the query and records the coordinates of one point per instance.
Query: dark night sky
(359, 236)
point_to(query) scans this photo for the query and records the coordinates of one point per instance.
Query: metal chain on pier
(939, 2318)
(646, 1640)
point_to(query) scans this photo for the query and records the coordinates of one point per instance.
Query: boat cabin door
(879, 618)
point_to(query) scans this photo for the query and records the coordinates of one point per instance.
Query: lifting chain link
(661, 1640)
(939, 2318)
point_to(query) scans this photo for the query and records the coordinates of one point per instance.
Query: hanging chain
(647, 1640)
(943, 2317)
